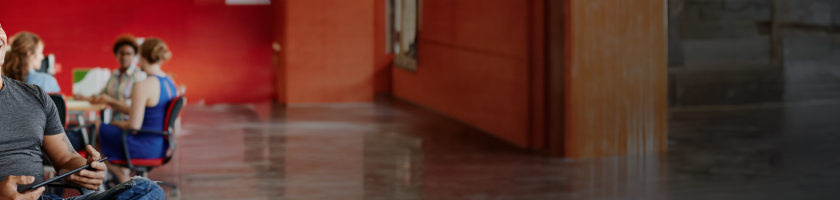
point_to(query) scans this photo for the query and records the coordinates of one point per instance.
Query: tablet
(21, 189)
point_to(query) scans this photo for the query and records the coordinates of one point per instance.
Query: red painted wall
(221, 53)
(475, 63)
(328, 51)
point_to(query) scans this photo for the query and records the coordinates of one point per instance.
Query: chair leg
(85, 135)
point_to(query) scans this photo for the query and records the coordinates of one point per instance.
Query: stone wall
(720, 53)
(811, 49)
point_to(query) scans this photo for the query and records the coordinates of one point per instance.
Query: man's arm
(64, 159)
(61, 153)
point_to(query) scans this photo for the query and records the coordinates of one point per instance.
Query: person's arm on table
(117, 105)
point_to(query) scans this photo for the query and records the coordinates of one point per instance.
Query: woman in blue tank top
(149, 103)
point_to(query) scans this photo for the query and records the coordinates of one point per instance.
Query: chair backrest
(61, 106)
(172, 114)
(142, 165)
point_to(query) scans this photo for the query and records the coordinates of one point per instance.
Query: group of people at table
(138, 95)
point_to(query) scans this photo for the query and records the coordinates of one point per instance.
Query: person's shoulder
(40, 78)
(21, 87)
(43, 75)
(139, 75)
(148, 82)
(20, 84)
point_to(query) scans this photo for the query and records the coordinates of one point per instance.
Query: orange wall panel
(474, 65)
(328, 51)
(278, 57)
(616, 78)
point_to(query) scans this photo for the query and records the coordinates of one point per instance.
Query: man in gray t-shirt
(27, 114)
(30, 126)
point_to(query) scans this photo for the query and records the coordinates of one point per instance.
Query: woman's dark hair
(155, 50)
(125, 39)
(23, 45)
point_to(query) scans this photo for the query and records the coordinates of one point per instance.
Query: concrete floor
(394, 150)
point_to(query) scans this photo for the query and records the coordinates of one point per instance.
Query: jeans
(137, 188)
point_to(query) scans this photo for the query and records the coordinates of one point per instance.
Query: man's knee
(136, 188)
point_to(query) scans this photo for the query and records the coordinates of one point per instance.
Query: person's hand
(82, 98)
(10, 186)
(89, 178)
(104, 98)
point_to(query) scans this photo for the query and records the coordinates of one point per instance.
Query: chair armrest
(81, 190)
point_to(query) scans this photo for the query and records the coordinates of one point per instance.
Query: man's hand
(90, 179)
(10, 184)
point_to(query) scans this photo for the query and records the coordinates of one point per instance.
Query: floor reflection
(395, 150)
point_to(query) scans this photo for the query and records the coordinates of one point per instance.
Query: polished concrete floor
(394, 150)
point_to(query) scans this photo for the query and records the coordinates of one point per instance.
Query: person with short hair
(117, 91)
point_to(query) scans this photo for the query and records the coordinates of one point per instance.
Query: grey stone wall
(723, 32)
(811, 49)
(720, 53)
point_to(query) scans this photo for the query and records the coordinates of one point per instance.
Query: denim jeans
(137, 188)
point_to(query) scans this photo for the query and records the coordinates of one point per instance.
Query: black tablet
(21, 189)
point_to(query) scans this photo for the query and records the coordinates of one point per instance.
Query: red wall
(476, 65)
(221, 53)
(327, 51)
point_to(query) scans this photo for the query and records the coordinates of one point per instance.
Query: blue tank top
(155, 116)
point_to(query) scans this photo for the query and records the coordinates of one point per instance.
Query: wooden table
(74, 105)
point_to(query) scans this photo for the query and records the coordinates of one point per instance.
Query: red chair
(143, 166)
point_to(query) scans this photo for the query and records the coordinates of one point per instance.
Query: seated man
(29, 125)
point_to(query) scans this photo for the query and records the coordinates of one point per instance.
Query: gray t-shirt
(26, 114)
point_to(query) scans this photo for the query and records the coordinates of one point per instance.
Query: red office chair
(143, 166)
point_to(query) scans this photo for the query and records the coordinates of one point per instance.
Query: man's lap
(135, 189)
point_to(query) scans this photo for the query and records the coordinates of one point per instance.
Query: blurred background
(478, 99)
